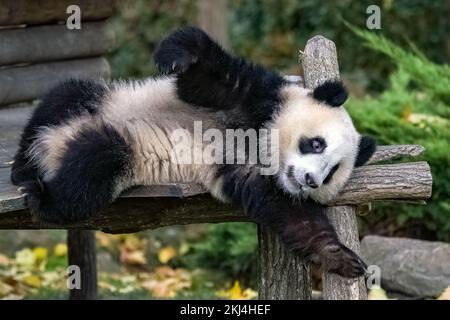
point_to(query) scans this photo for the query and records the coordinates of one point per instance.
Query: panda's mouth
(290, 183)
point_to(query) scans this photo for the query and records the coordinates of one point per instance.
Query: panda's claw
(339, 259)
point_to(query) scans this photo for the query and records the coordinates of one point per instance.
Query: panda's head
(318, 143)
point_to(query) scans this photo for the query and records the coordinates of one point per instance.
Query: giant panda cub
(90, 140)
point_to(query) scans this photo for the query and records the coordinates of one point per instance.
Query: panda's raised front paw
(180, 50)
(339, 259)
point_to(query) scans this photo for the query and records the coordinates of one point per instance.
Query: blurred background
(399, 80)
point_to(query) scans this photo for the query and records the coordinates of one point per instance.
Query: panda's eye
(312, 145)
(316, 145)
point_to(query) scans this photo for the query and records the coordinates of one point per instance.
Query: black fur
(65, 101)
(332, 93)
(94, 161)
(306, 145)
(268, 206)
(366, 149)
(331, 174)
(208, 76)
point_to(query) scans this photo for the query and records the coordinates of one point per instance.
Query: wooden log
(31, 82)
(385, 153)
(319, 65)
(82, 253)
(401, 181)
(55, 42)
(15, 12)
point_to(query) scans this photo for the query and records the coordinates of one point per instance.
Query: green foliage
(139, 27)
(415, 109)
(272, 31)
(230, 247)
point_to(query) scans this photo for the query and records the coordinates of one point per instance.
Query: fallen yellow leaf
(32, 281)
(60, 250)
(377, 293)
(236, 293)
(166, 254)
(40, 254)
(166, 282)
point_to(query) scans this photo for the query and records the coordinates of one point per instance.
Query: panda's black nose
(310, 182)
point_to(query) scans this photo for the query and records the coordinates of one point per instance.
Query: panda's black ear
(366, 149)
(331, 92)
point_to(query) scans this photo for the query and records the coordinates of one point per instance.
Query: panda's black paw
(174, 61)
(339, 259)
(181, 49)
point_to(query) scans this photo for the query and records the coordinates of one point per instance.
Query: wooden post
(282, 275)
(213, 18)
(320, 63)
(82, 253)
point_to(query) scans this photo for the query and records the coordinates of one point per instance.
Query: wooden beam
(55, 42)
(320, 64)
(135, 214)
(31, 82)
(16, 12)
(395, 182)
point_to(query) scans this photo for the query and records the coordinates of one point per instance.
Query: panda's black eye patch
(312, 145)
(330, 174)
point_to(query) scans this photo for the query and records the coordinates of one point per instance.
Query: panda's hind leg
(69, 99)
(95, 168)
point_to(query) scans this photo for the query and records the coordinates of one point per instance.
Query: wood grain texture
(15, 12)
(135, 214)
(31, 82)
(401, 181)
(55, 42)
(336, 287)
(394, 152)
(281, 274)
(319, 65)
